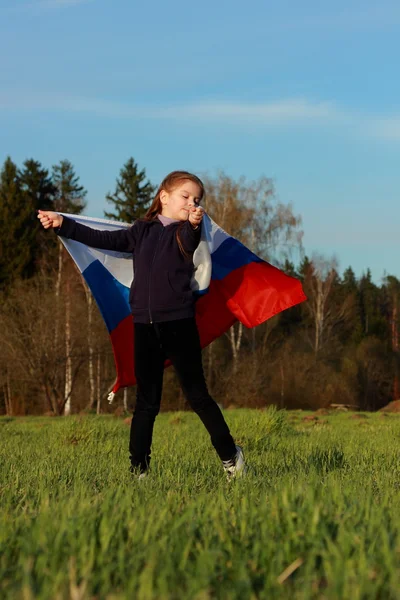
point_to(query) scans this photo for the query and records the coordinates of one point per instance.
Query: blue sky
(304, 92)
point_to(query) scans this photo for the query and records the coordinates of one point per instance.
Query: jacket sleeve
(190, 237)
(121, 240)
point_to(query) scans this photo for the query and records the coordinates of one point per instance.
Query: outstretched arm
(190, 232)
(121, 240)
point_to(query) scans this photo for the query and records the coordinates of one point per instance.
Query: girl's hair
(169, 183)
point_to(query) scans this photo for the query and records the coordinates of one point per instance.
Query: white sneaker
(137, 473)
(235, 467)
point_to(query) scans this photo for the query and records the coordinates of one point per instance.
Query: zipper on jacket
(151, 266)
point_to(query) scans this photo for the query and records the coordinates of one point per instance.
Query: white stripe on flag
(212, 236)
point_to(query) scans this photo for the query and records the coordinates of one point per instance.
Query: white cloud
(387, 128)
(61, 3)
(267, 113)
(375, 16)
(280, 113)
(51, 4)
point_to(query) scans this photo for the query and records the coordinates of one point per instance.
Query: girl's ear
(163, 196)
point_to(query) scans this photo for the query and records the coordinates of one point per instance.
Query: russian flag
(231, 282)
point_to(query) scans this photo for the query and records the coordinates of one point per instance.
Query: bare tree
(250, 212)
(7, 393)
(235, 337)
(30, 348)
(325, 314)
(89, 302)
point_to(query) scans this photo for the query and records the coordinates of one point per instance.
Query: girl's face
(178, 203)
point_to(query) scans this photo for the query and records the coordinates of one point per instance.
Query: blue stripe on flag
(111, 296)
(229, 256)
(198, 293)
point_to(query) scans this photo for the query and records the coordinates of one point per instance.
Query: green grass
(326, 494)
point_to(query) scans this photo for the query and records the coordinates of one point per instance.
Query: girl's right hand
(49, 218)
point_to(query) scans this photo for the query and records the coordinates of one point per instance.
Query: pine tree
(22, 240)
(290, 319)
(14, 249)
(38, 191)
(391, 289)
(37, 187)
(289, 268)
(350, 291)
(132, 196)
(373, 321)
(69, 195)
(305, 269)
(349, 281)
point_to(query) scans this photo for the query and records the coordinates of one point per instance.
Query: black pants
(179, 341)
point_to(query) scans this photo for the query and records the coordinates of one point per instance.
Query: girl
(162, 304)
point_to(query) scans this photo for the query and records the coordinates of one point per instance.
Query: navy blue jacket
(160, 290)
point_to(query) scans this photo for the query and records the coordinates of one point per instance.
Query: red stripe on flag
(213, 316)
(122, 344)
(258, 291)
(122, 340)
(251, 294)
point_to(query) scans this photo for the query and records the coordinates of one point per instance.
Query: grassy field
(318, 516)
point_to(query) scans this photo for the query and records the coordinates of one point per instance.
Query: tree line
(341, 346)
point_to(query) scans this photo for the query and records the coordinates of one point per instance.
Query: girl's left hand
(196, 216)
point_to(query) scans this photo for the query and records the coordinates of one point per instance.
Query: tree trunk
(68, 362)
(210, 366)
(395, 347)
(320, 283)
(254, 353)
(319, 316)
(89, 300)
(235, 340)
(98, 384)
(57, 327)
(53, 406)
(58, 288)
(282, 386)
(7, 396)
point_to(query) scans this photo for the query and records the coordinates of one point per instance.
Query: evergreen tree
(350, 291)
(22, 192)
(305, 269)
(132, 196)
(391, 291)
(349, 281)
(291, 318)
(14, 249)
(38, 191)
(37, 187)
(69, 195)
(372, 317)
(289, 268)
